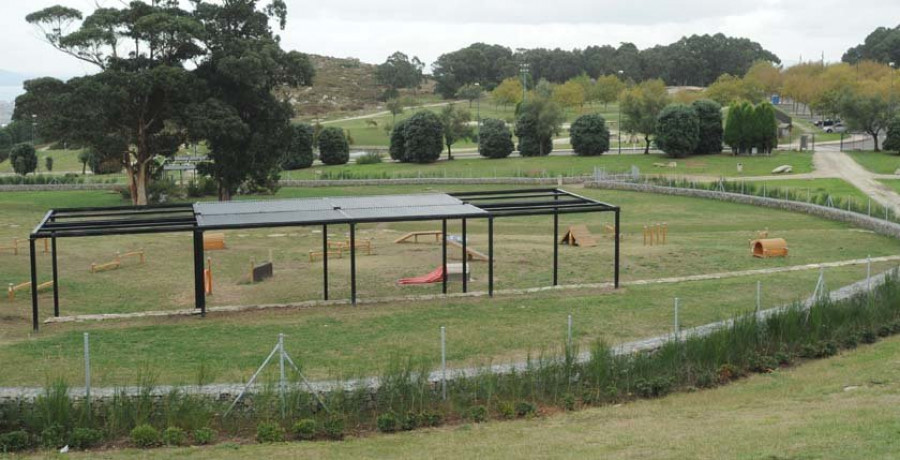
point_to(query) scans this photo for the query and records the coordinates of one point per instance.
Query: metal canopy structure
(205, 216)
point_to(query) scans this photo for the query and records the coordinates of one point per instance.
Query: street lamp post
(33, 123)
(523, 69)
(478, 105)
(619, 118)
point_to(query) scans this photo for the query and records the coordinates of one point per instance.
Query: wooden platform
(579, 235)
(414, 236)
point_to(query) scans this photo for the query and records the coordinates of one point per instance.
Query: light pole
(478, 105)
(33, 123)
(619, 117)
(523, 69)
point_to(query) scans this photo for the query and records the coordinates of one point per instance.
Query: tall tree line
(696, 60)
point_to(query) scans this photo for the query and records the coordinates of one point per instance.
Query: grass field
(63, 161)
(704, 237)
(723, 165)
(837, 188)
(364, 133)
(842, 407)
(877, 162)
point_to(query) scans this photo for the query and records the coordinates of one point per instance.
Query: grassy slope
(709, 165)
(704, 237)
(877, 162)
(63, 161)
(837, 188)
(842, 407)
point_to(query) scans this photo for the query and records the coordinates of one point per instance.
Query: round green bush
(891, 142)
(397, 148)
(589, 135)
(84, 438)
(204, 436)
(387, 423)
(14, 440)
(423, 135)
(334, 429)
(23, 159)
(173, 436)
(677, 130)
(305, 429)
(495, 139)
(269, 432)
(478, 414)
(300, 152)
(333, 146)
(145, 436)
(709, 117)
(536, 124)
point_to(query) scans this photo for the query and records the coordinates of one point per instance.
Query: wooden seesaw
(13, 288)
(117, 262)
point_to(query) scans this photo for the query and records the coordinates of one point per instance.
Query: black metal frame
(131, 220)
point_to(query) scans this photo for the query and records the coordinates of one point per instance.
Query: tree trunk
(449, 153)
(141, 185)
(647, 145)
(875, 140)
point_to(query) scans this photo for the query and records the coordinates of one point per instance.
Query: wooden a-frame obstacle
(579, 235)
(117, 262)
(655, 234)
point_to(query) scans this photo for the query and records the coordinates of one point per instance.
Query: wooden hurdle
(262, 271)
(13, 288)
(15, 247)
(655, 234)
(117, 262)
(365, 246)
(207, 277)
(314, 254)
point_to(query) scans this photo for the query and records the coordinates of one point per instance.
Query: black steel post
(465, 260)
(325, 261)
(34, 285)
(617, 237)
(199, 289)
(444, 256)
(55, 277)
(353, 263)
(491, 256)
(555, 247)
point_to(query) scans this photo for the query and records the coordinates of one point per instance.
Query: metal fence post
(677, 330)
(281, 369)
(569, 333)
(758, 296)
(868, 273)
(87, 371)
(443, 363)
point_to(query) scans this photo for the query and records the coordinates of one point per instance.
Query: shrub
(300, 151)
(526, 409)
(423, 135)
(709, 117)
(14, 440)
(677, 130)
(653, 387)
(53, 437)
(334, 429)
(369, 158)
(411, 421)
(538, 121)
(432, 418)
(173, 436)
(333, 146)
(204, 436)
(494, 139)
(48, 163)
(386, 423)
(397, 148)
(305, 429)
(84, 438)
(590, 136)
(478, 414)
(23, 159)
(268, 432)
(569, 402)
(144, 436)
(868, 336)
(891, 142)
(201, 187)
(506, 410)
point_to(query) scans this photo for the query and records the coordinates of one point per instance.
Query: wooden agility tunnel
(770, 247)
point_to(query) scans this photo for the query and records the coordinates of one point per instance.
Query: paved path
(834, 163)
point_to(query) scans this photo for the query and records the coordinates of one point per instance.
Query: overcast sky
(373, 29)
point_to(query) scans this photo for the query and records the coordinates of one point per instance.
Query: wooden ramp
(473, 254)
(579, 235)
(414, 236)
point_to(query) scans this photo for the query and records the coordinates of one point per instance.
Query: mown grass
(63, 161)
(704, 237)
(877, 162)
(723, 165)
(837, 188)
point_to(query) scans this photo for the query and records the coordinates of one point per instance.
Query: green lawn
(842, 407)
(892, 183)
(63, 161)
(364, 133)
(877, 162)
(704, 237)
(837, 188)
(723, 165)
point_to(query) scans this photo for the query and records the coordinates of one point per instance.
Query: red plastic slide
(433, 277)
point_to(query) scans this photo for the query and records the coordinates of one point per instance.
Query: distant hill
(341, 85)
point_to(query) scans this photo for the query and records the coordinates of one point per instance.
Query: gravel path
(834, 163)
